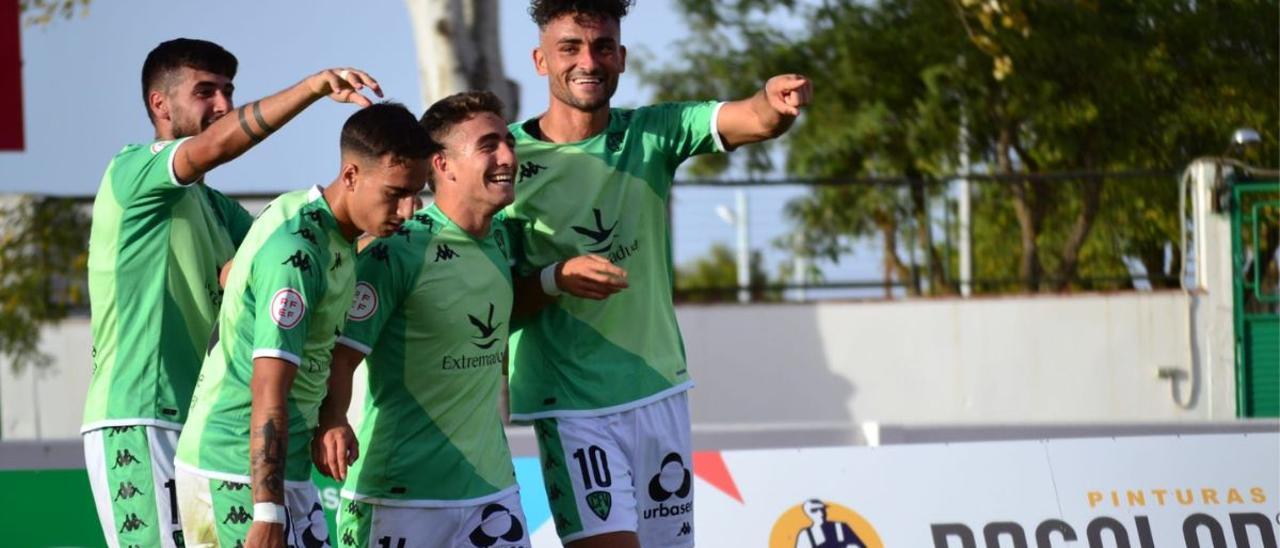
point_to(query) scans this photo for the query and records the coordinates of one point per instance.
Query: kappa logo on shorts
(113, 430)
(124, 459)
(354, 509)
(685, 530)
(348, 539)
(232, 486)
(132, 523)
(496, 523)
(287, 308)
(127, 491)
(600, 503)
(237, 515)
(486, 329)
(364, 303)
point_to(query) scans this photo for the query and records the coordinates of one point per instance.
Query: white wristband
(548, 278)
(269, 512)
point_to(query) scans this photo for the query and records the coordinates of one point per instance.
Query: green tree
(43, 255)
(1041, 87)
(712, 278)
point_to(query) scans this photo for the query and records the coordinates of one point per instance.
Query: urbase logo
(672, 480)
(497, 523)
(817, 523)
(364, 303)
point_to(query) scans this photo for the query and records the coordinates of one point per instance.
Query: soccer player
(431, 313)
(600, 368)
(243, 471)
(158, 240)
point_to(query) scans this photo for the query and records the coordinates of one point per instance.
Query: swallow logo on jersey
(127, 491)
(600, 503)
(237, 515)
(307, 234)
(486, 330)
(496, 523)
(379, 253)
(158, 146)
(364, 303)
(132, 523)
(125, 458)
(529, 169)
(601, 240)
(287, 308)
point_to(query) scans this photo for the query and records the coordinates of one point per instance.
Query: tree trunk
(1029, 211)
(459, 49)
(1090, 202)
(894, 268)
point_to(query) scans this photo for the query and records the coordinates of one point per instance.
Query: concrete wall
(795, 367)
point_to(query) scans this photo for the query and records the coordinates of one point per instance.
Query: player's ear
(539, 61)
(439, 164)
(349, 174)
(159, 105)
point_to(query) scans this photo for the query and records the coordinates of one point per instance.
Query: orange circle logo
(818, 524)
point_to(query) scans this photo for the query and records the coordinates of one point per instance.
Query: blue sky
(82, 99)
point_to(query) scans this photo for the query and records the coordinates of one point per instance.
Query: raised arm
(334, 447)
(765, 115)
(237, 132)
(268, 444)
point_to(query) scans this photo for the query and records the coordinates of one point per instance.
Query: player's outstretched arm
(767, 114)
(268, 445)
(238, 131)
(334, 448)
(585, 276)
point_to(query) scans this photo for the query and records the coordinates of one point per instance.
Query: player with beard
(158, 240)
(599, 366)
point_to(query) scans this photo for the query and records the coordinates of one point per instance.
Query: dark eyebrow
(573, 40)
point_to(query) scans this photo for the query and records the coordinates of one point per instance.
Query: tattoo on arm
(264, 129)
(267, 461)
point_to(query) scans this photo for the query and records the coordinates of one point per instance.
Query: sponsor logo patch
(364, 304)
(287, 308)
(158, 146)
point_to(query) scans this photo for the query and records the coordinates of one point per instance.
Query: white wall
(1078, 358)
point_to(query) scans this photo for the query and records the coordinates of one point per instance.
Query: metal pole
(965, 207)
(744, 247)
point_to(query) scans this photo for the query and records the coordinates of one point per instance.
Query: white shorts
(497, 524)
(131, 475)
(218, 512)
(627, 471)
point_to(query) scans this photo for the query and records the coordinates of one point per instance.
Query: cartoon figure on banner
(821, 524)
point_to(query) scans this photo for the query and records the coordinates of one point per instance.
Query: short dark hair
(455, 109)
(385, 128)
(168, 58)
(545, 11)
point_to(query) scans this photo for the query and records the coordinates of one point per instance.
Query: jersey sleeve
(686, 129)
(147, 172)
(287, 282)
(382, 282)
(235, 218)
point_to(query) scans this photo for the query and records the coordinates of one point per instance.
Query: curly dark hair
(545, 11)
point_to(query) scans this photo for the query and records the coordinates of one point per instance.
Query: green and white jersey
(606, 195)
(155, 250)
(431, 312)
(287, 297)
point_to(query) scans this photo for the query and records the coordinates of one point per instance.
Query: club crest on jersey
(364, 303)
(158, 146)
(287, 308)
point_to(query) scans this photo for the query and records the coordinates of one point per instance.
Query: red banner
(11, 129)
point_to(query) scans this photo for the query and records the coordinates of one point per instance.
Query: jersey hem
(432, 503)
(354, 345)
(568, 413)
(109, 423)
(277, 353)
(234, 478)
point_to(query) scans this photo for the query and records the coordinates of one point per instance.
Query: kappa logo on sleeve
(287, 308)
(364, 304)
